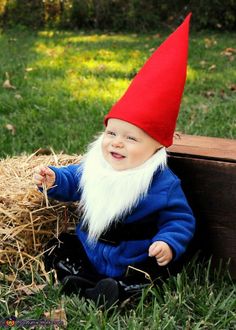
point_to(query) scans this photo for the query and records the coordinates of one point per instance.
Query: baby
(133, 206)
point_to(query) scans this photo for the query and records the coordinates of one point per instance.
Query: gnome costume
(124, 212)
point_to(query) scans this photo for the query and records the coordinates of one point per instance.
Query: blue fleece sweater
(165, 200)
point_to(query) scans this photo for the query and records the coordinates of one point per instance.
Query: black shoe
(128, 290)
(75, 284)
(105, 292)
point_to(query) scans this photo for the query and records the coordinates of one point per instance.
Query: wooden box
(207, 169)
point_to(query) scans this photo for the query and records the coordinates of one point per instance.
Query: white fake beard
(107, 194)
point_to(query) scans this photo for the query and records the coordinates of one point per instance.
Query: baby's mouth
(117, 156)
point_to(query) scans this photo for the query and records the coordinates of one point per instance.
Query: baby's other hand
(44, 175)
(161, 251)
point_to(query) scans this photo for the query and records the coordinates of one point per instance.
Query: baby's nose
(117, 143)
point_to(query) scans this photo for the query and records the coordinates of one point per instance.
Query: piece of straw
(45, 194)
(27, 218)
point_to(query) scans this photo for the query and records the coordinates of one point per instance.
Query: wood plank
(204, 147)
(210, 189)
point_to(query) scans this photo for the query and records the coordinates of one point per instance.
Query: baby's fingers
(40, 175)
(154, 249)
(163, 261)
(38, 179)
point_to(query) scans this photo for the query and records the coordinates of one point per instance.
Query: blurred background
(64, 63)
(116, 15)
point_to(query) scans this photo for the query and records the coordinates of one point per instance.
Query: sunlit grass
(65, 82)
(192, 74)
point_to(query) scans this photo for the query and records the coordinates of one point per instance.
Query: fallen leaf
(102, 67)
(51, 52)
(209, 93)
(18, 96)
(10, 278)
(232, 87)
(7, 84)
(29, 69)
(229, 51)
(58, 316)
(212, 67)
(204, 108)
(203, 63)
(209, 42)
(11, 128)
(226, 53)
(30, 289)
(223, 94)
(170, 18)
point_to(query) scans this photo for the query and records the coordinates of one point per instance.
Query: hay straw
(27, 218)
(45, 194)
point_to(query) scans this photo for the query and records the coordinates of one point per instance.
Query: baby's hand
(161, 251)
(44, 175)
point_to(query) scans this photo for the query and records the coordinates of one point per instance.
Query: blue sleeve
(176, 222)
(66, 184)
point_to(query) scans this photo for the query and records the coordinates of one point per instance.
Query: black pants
(69, 248)
(67, 256)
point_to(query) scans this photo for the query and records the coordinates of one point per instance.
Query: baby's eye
(131, 138)
(111, 133)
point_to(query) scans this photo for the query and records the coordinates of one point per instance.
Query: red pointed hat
(153, 98)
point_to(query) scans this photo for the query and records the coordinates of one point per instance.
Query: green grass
(67, 81)
(197, 298)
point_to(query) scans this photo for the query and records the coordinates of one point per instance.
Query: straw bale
(26, 222)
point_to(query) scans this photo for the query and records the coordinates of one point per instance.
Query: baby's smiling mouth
(117, 156)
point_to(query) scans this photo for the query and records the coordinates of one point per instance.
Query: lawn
(62, 84)
(197, 298)
(56, 88)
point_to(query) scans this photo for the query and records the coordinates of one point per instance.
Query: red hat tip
(153, 98)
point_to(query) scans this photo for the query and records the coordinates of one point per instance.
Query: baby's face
(126, 146)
